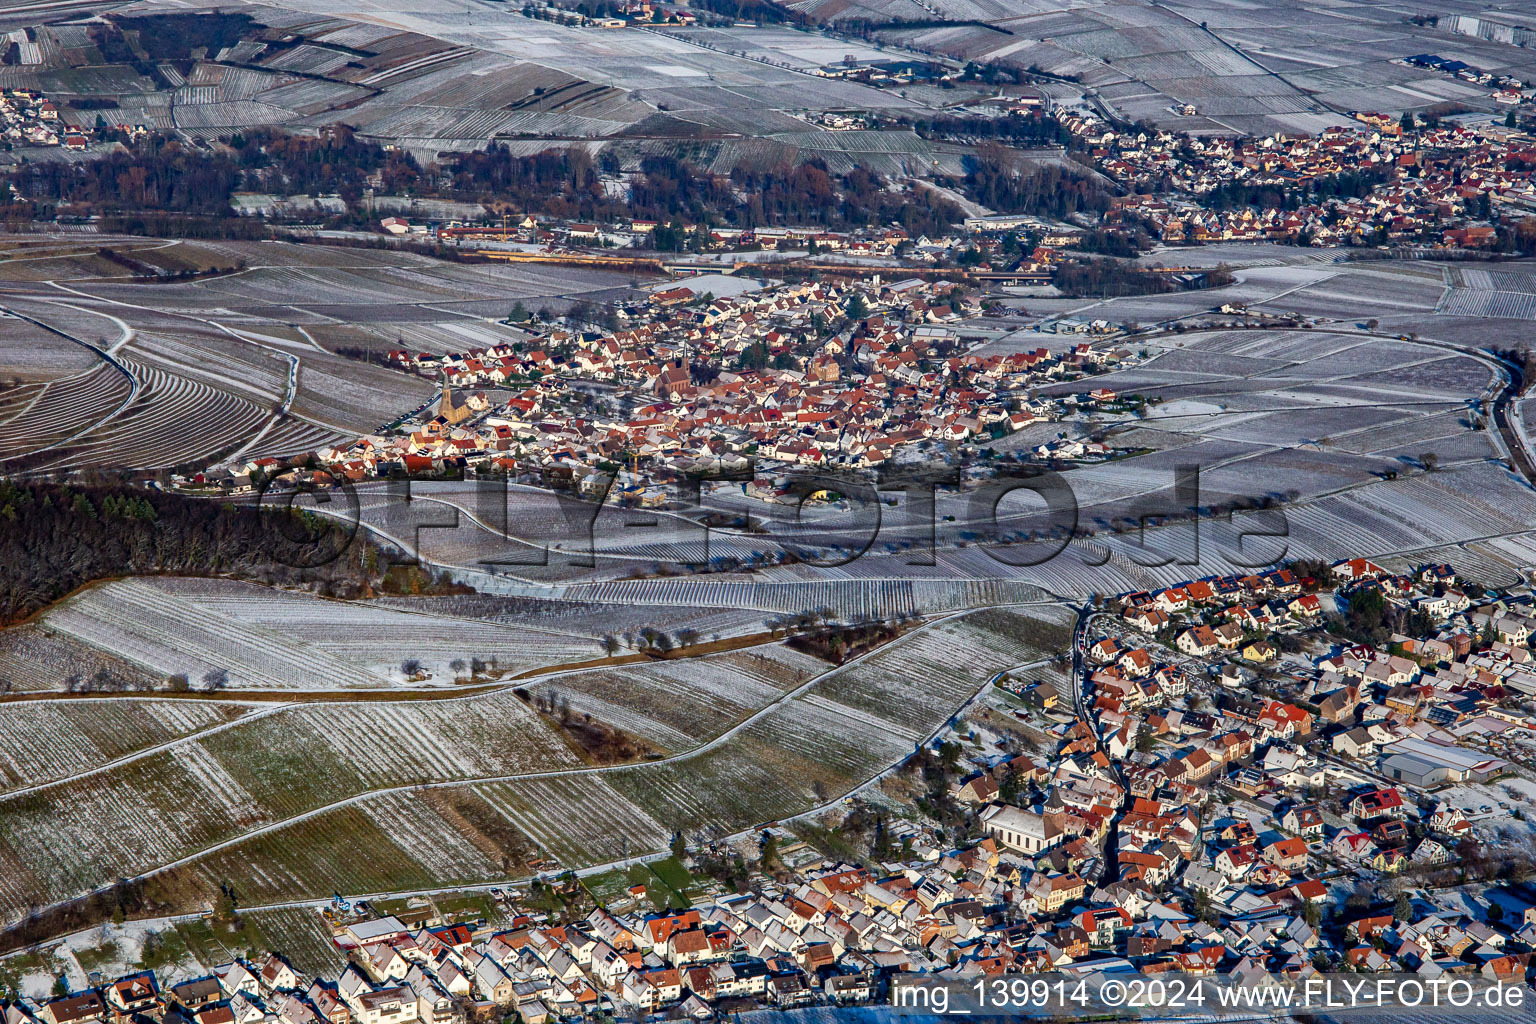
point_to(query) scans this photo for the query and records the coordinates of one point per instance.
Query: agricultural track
(69, 406)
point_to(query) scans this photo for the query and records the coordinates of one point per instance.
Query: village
(32, 120)
(1378, 180)
(815, 375)
(929, 342)
(1386, 182)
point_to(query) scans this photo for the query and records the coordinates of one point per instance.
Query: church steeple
(452, 410)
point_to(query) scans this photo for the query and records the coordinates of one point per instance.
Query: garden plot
(47, 741)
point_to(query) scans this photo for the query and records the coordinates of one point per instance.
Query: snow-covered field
(274, 640)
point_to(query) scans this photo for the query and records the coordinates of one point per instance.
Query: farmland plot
(168, 635)
(586, 618)
(170, 804)
(201, 792)
(28, 353)
(54, 740)
(317, 754)
(48, 414)
(34, 659)
(430, 841)
(79, 835)
(919, 682)
(343, 850)
(578, 820)
(679, 703)
(174, 419)
(378, 637)
(302, 937)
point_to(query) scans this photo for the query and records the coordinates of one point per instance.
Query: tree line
(1049, 191)
(56, 538)
(160, 184)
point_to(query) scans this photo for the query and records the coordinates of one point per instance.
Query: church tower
(452, 410)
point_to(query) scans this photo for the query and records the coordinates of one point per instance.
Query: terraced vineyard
(57, 739)
(679, 703)
(38, 417)
(813, 743)
(210, 789)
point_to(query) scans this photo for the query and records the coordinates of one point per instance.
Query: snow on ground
(721, 285)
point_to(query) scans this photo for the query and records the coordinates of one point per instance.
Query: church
(452, 409)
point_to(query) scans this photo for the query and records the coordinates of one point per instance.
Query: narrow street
(1085, 617)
